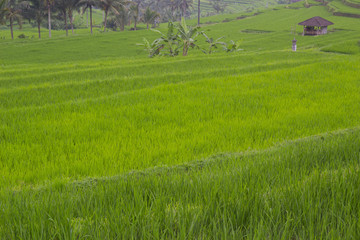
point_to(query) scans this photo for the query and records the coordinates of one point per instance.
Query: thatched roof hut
(315, 26)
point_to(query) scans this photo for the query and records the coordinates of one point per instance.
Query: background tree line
(59, 14)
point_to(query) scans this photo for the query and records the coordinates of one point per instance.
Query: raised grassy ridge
(344, 8)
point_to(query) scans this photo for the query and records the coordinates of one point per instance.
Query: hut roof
(316, 22)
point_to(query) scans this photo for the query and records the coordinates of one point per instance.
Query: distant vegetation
(65, 14)
(183, 37)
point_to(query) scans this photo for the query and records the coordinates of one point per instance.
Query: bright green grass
(102, 120)
(313, 2)
(233, 6)
(305, 189)
(339, 6)
(96, 106)
(354, 1)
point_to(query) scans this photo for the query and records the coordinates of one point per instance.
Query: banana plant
(213, 43)
(232, 46)
(188, 36)
(170, 40)
(153, 48)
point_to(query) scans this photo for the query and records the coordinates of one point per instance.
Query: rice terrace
(179, 119)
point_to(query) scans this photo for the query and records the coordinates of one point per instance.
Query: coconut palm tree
(123, 17)
(149, 16)
(12, 13)
(185, 5)
(3, 4)
(118, 20)
(62, 6)
(181, 5)
(199, 12)
(113, 6)
(134, 10)
(71, 6)
(35, 9)
(49, 3)
(88, 4)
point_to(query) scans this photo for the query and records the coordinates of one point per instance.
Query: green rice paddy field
(98, 141)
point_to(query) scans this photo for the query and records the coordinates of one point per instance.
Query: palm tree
(36, 10)
(134, 10)
(123, 17)
(62, 5)
(169, 13)
(2, 11)
(185, 5)
(198, 12)
(12, 13)
(111, 5)
(181, 5)
(118, 20)
(71, 6)
(88, 4)
(149, 16)
(49, 3)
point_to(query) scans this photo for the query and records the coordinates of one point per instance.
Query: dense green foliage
(100, 142)
(65, 14)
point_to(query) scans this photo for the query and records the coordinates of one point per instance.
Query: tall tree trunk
(185, 49)
(11, 28)
(49, 18)
(87, 18)
(135, 24)
(183, 9)
(39, 30)
(66, 26)
(71, 22)
(105, 20)
(91, 19)
(198, 12)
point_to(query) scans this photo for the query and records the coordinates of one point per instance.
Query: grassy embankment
(76, 112)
